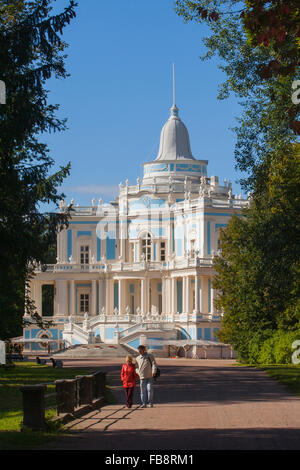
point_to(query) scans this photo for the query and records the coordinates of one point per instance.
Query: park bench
(56, 362)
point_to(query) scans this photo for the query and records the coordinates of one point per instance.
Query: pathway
(199, 404)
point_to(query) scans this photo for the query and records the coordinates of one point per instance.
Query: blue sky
(119, 93)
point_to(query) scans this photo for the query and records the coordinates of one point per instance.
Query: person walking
(128, 377)
(146, 369)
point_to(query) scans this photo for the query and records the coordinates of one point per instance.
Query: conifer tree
(31, 52)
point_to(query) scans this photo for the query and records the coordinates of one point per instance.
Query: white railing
(140, 327)
(184, 262)
(79, 333)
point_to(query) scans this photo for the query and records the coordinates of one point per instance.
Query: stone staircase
(94, 351)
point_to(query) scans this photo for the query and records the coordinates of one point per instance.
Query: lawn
(287, 374)
(11, 401)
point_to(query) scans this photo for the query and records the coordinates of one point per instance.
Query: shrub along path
(198, 405)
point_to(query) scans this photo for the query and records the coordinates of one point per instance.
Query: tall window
(84, 303)
(47, 299)
(84, 254)
(146, 247)
(162, 251)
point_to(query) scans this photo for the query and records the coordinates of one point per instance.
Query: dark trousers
(129, 396)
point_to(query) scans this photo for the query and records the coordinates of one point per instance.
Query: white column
(61, 297)
(173, 296)
(108, 296)
(38, 297)
(94, 297)
(188, 285)
(120, 289)
(72, 297)
(184, 309)
(101, 293)
(143, 294)
(164, 295)
(100, 288)
(197, 293)
(147, 282)
(166, 303)
(212, 297)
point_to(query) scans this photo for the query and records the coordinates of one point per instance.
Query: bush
(283, 346)
(255, 344)
(267, 355)
(276, 349)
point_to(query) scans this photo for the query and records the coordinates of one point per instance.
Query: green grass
(11, 402)
(287, 374)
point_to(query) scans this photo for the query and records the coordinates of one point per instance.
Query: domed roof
(174, 139)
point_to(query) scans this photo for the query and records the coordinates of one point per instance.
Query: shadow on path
(190, 439)
(207, 384)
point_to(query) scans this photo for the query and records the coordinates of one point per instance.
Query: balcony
(120, 266)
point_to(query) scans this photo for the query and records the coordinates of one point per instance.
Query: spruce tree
(31, 52)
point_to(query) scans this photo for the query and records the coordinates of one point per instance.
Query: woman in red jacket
(128, 377)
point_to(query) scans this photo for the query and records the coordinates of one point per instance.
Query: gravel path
(198, 404)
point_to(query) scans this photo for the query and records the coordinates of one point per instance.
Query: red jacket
(128, 375)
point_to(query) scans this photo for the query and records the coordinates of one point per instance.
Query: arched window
(146, 244)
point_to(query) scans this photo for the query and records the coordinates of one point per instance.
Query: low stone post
(65, 398)
(33, 406)
(86, 389)
(69, 395)
(60, 396)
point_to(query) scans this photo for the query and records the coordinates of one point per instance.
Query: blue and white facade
(141, 265)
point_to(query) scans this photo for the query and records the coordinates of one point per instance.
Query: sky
(119, 93)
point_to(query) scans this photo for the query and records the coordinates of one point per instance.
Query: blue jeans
(146, 386)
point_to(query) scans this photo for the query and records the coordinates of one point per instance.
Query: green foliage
(253, 353)
(267, 355)
(258, 271)
(264, 128)
(31, 52)
(273, 347)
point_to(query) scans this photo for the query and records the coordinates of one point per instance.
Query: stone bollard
(86, 388)
(33, 406)
(60, 396)
(99, 383)
(69, 387)
(65, 399)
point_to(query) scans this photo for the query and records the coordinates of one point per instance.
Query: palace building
(140, 268)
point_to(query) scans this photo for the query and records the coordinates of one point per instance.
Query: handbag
(158, 372)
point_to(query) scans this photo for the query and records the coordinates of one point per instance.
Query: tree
(31, 52)
(258, 272)
(268, 32)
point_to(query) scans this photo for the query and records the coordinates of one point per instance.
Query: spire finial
(174, 85)
(174, 109)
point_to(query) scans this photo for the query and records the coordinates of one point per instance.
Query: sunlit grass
(287, 374)
(11, 416)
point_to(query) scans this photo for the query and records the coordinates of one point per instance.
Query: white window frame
(147, 248)
(86, 245)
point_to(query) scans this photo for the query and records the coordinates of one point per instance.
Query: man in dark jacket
(146, 369)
